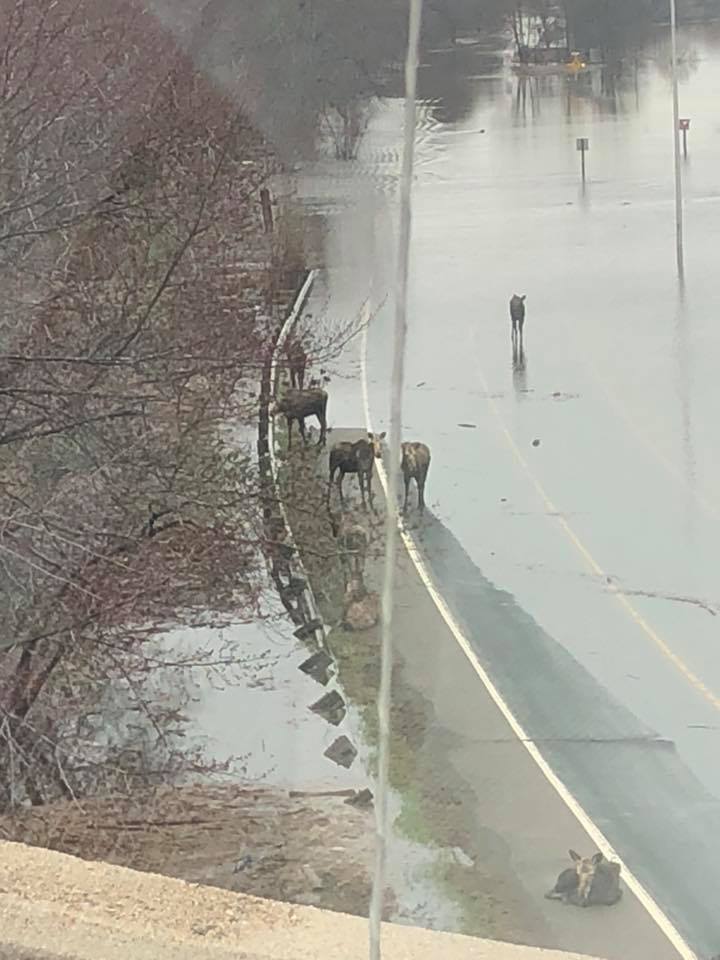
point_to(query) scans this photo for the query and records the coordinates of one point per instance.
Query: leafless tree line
(140, 295)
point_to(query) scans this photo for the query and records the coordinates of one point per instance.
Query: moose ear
(574, 856)
(382, 436)
(598, 858)
(523, 296)
(370, 435)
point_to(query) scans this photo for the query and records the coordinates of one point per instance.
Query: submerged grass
(436, 806)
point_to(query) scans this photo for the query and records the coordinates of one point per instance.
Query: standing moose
(517, 316)
(298, 404)
(415, 464)
(357, 457)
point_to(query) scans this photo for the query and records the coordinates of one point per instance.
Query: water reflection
(682, 348)
(519, 368)
(445, 79)
(527, 89)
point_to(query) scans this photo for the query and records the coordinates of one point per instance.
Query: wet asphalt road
(587, 578)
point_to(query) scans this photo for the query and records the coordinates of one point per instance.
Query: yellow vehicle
(576, 62)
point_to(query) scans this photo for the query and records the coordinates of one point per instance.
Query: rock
(312, 878)
(317, 666)
(462, 858)
(308, 629)
(296, 586)
(362, 613)
(363, 799)
(341, 751)
(330, 707)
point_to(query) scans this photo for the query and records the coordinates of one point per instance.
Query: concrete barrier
(54, 906)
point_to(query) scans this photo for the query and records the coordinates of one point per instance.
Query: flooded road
(581, 478)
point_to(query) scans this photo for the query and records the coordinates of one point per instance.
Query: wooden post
(267, 214)
(582, 144)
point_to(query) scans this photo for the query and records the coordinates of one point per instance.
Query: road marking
(592, 563)
(604, 384)
(593, 831)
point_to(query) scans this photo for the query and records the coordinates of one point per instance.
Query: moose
(352, 540)
(415, 464)
(297, 360)
(357, 457)
(589, 882)
(298, 404)
(517, 316)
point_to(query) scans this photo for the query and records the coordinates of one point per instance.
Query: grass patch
(437, 807)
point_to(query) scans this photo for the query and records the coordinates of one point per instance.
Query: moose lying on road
(298, 404)
(415, 464)
(357, 457)
(590, 881)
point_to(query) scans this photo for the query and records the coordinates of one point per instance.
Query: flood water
(582, 475)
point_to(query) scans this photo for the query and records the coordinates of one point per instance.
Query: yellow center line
(621, 598)
(652, 448)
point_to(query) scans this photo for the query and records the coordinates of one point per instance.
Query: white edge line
(573, 805)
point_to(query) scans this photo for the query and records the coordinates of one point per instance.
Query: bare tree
(140, 298)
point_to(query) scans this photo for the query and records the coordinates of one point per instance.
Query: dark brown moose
(299, 404)
(357, 457)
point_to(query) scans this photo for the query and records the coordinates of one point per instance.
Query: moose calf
(590, 881)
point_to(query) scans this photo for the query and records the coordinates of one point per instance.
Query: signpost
(582, 144)
(684, 127)
(676, 146)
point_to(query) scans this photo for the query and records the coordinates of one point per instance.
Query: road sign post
(582, 144)
(679, 253)
(684, 127)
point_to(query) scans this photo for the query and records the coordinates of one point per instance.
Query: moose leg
(361, 481)
(301, 424)
(289, 421)
(340, 478)
(322, 420)
(370, 492)
(421, 493)
(406, 478)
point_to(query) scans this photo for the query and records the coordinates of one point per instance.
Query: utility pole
(676, 144)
